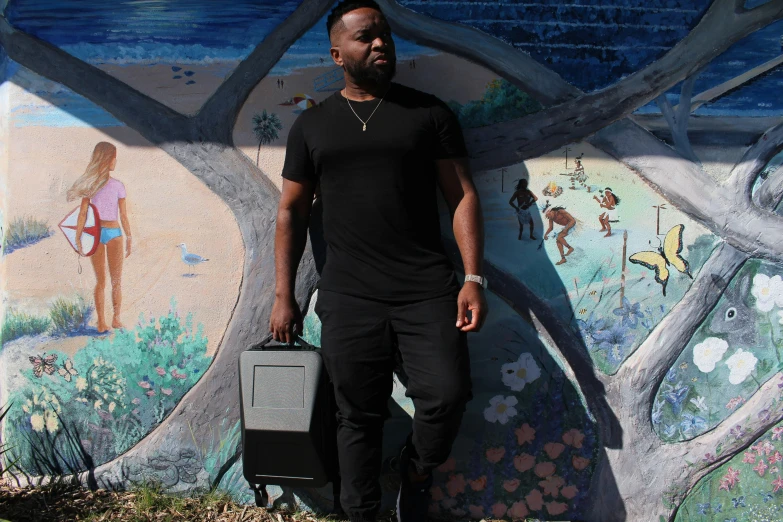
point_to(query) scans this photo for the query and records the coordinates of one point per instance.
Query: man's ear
(335, 52)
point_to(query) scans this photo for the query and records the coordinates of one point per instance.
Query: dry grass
(61, 502)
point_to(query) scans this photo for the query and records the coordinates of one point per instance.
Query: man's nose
(379, 44)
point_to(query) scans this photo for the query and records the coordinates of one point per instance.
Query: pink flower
(459, 513)
(448, 466)
(179, 375)
(479, 484)
(776, 457)
(777, 433)
(511, 485)
(733, 403)
(556, 508)
(518, 511)
(495, 454)
(136, 401)
(455, 485)
(579, 463)
(760, 468)
(437, 493)
(553, 449)
(778, 483)
(524, 462)
(449, 503)
(434, 509)
(724, 484)
(499, 510)
(135, 411)
(145, 385)
(476, 511)
(150, 393)
(161, 371)
(544, 469)
(573, 437)
(166, 391)
(731, 478)
(569, 492)
(525, 434)
(535, 500)
(749, 458)
(767, 447)
(552, 485)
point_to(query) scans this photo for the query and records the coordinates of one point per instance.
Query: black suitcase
(288, 418)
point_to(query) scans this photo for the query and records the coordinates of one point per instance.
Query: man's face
(363, 44)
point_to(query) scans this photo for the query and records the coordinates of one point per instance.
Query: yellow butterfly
(667, 254)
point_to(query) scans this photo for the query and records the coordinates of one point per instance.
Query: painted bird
(190, 259)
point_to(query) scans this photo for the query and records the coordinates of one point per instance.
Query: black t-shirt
(378, 190)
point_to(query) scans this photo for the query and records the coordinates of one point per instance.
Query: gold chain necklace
(364, 123)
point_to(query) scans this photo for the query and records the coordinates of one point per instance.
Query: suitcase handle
(269, 338)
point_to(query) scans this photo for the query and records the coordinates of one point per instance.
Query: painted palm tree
(265, 126)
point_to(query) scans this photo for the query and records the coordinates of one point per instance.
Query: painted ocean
(614, 38)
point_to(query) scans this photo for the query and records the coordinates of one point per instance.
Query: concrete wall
(604, 390)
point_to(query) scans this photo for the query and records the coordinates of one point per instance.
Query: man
(560, 216)
(378, 150)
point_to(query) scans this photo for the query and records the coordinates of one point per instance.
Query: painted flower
(518, 511)
(556, 508)
(777, 433)
(775, 457)
(708, 352)
(614, 337)
(479, 484)
(760, 468)
(501, 409)
(525, 434)
(569, 492)
(573, 437)
(741, 364)
(535, 500)
(630, 313)
(579, 463)
(524, 462)
(112, 406)
(768, 291)
(733, 403)
(448, 466)
(778, 484)
(511, 485)
(692, 424)
(521, 372)
(449, 503)
(737, 432)
(551, 486)
(590, 327)
(499, 510)
(494, 455)
(749, 458)
(773, 470)
(476, 511)
(145, 384)
(150, 393)
(436, 493)
(553, 449)
(161, 371)
(456, 485)
(700, 402)
(51, 423)
(98, 404)
(136, 400)
(37, 421)
(544, 469)
(166, 391)
(81, 383)
(731, 477)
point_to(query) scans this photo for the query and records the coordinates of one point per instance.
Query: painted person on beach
(96, 186)
(563, 218)
(524, 200)
(609, 202)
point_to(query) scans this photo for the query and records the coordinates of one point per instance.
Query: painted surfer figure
(563, 218)
(107, 194)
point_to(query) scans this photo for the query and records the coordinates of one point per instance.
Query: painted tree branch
(677, 119)
(744, 173)
(506, 143)
(769, 194)
(125, 103)
(219, 113)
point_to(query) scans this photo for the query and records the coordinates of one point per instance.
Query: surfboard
(91, 232)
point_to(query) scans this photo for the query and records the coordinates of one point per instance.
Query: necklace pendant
(364, 127)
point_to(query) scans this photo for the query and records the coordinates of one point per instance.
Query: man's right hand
(286, 320)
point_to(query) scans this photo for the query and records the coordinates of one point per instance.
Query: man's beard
(371, 74)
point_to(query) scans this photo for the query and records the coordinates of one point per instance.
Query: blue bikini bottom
(107, 234)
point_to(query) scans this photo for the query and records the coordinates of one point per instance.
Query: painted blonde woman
(96, 186)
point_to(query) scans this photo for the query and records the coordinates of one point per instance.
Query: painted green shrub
(17, 324)
(501, 101)
(24, 231)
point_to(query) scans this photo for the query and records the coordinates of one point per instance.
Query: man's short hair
(344, 7)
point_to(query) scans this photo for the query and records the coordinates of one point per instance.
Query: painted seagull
(190, 259)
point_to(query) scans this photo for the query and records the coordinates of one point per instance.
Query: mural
(627, 158)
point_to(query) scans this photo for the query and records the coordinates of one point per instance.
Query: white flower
(521, 372)
(25, 409)
(768, 291)
(51, 423)
(501, 409)
(112, 406)
(98, 404)
(708, 352)
(81, 383)
(699, 403)
(37, 421)
(741, 364)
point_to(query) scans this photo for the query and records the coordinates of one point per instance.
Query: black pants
(358, 339)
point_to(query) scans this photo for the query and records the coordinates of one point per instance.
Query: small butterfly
(43, 364)
(703, 508)
(739, 501)
(675, 397)
(593, 292)
(583, 311)
(67, 370)
(667, 254)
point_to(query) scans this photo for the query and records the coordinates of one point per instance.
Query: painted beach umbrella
(302, 101)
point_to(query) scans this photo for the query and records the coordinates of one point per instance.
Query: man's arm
(462, 199)
(511, 201)
(551, 226)
(293, 218)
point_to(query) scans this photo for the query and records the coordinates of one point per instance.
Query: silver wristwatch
(476, 279)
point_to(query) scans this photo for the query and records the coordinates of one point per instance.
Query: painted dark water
(590, 43)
